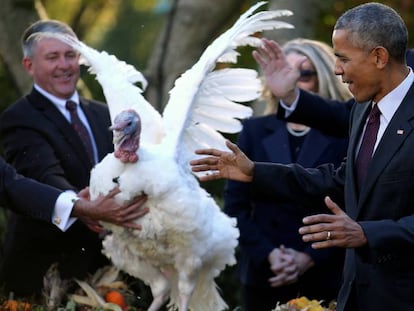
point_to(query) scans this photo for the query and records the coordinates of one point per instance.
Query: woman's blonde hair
(323, 59)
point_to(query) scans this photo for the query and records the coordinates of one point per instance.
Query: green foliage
(70, 306)
(130, 39)
(330, 10)
(133, 38)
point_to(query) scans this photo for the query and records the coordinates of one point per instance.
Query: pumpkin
(117, 298)
(14, 305)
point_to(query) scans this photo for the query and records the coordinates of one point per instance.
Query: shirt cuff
(63, 209)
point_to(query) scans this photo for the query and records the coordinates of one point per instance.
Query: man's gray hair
(29, 38)
(374, 24)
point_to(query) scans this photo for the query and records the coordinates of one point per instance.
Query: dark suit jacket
(15, 190)
(330, 117)
(40, 143)
(382, 272)
(266, 224)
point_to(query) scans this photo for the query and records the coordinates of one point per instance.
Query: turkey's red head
(127, 131)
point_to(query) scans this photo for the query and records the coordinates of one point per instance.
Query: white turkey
(186, 240)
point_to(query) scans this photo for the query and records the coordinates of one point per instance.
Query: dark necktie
(80, 128)
(367, 145)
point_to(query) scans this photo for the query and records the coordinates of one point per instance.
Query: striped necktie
(80, 128)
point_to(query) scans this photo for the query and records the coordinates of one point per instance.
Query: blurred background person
(275, 265)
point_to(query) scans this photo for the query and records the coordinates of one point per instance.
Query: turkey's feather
(192, 89)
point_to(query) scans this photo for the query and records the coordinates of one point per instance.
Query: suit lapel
(49, 110)
(397, 131)
(359, 116)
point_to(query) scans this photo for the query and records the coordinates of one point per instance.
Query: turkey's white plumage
(186, 240)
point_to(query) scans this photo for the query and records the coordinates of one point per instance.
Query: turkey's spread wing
(205, 101)
(118, 80)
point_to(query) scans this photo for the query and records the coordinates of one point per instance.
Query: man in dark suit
(376, 229)
(39, 141)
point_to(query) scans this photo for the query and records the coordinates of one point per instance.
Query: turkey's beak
(119, 134)
(115, 127)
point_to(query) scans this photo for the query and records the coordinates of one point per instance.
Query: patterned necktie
(80, 128)
(367, 145)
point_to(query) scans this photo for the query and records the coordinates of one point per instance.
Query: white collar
(390, 102)
(59, 102)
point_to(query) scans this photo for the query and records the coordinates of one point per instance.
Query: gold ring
(328, 237)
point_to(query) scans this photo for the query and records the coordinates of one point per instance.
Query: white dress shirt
(389, 104)
(63, 208)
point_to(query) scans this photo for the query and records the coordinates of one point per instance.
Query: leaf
(109, 306)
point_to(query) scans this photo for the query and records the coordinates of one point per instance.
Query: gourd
(13, 305)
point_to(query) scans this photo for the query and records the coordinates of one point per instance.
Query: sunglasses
(306, 75)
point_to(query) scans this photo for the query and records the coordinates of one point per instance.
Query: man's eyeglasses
(306, 75)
